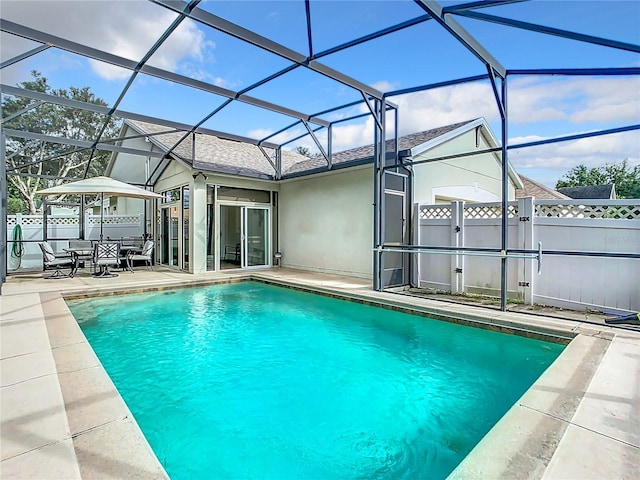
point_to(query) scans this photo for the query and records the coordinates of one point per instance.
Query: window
(172, 195)
(244, 195)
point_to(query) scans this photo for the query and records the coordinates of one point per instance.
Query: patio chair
(131, 242)
(51, 260)
(105, 254)
(144, 255)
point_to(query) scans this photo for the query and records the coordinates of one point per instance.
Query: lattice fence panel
(592, 210)
(114, 220)
(12, 220)
(435, 212)
(62, 220)
(481, 211)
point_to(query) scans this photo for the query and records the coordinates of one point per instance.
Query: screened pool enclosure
(322, 76)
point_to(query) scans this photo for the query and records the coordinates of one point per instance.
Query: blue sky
(539, 107)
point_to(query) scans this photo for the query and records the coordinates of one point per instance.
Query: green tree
(15, 205)
(31, 164)
(303, 151)
(307, 152)
(622, 175)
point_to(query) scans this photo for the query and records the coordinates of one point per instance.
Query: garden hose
(17, 247)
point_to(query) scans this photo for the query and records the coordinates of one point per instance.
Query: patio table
(76, 253)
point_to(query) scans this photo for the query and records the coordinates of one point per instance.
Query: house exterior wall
(473, 179)
(129, 206)
(132, 168)
(326, 222)
(177, 175)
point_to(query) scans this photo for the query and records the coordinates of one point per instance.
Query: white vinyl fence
(64, 227)
(602, 283)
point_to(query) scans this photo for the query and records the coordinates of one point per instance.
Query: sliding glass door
(231, 233)
(244, 236)
(169, 236)
(257, 236)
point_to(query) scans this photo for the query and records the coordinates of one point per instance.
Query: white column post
(416, 241)
(461, 243)
(528, 212)
(198, 225)
(457, 240)
(525, 240)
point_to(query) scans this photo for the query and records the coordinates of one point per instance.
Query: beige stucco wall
(477, 178)
(326, 222)
(132, 168)
(177, 175)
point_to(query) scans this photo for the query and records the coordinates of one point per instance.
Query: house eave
(338, 166)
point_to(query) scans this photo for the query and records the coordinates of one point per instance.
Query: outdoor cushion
(47, 252)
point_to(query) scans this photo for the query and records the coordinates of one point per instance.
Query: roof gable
(532, 188)
(216, 154)
(599, 192)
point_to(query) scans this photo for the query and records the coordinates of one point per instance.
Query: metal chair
(144, 255)
(105, 254)
(51, 261)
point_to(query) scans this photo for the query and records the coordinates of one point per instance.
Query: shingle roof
(228, 156)
(217, 154)
(360, 155)
(537, 190)
(589, 192)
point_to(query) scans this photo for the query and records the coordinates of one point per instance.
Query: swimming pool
(257, 381)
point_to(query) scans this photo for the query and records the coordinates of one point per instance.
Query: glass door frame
(165, 209)
(243, 233)
(245, 237)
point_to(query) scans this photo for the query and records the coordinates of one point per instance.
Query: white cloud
(385, 86)
(344, 137)
(562, 156)
(124, 28)
(444, 106)
(576, 99)
(532, 102)
(259, 133)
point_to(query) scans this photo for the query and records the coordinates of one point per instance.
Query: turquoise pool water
(249, 380)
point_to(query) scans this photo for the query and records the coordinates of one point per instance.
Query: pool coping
(542, 417)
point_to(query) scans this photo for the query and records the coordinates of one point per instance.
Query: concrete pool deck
(61, 416)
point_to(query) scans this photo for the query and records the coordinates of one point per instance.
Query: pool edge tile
(88, 416)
